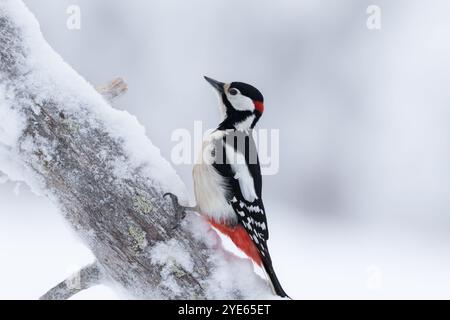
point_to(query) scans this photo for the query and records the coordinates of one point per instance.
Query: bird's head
(241, 105)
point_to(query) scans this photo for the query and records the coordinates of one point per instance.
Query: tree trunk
(66, 141)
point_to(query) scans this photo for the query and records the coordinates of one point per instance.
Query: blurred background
(360, 207)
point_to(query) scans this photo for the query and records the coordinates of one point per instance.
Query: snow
(201, 230)
(12, 123)
(49, 77)
(230, 272)
(170, 253)
(368, 134)
(105, 292)
(174, 262)
(11, 127)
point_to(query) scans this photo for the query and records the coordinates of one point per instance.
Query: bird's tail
(276, 285)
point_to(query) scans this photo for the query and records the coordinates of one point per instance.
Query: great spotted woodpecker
(227, 180)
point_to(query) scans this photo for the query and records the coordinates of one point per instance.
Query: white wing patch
(241, 173)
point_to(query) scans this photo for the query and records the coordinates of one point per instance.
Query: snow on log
(62, 138)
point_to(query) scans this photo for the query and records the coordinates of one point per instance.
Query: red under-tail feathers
(241, 239)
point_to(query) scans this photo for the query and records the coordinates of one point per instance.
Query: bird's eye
(233, 92)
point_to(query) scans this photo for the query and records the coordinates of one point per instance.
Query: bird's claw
(180, 211)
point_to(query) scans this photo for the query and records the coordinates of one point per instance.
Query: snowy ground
(37, 248)
(314, 260)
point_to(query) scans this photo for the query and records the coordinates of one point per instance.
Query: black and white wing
(244, 184)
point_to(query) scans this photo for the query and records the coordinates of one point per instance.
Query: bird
(227, 178)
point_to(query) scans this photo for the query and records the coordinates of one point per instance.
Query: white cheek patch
(240, 102)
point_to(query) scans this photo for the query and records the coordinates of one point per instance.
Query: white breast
(209, 186)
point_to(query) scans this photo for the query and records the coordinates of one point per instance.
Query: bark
(70, 152)
(87, 277)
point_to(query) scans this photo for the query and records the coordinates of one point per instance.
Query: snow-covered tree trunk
(62, 137)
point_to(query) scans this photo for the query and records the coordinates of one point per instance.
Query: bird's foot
(180, 211)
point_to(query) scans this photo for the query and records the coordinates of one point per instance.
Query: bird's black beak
(219, 86)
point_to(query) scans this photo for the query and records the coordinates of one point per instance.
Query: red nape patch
(259, 106)
(241, 239)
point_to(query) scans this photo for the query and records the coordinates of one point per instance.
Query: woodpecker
(227, 179)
